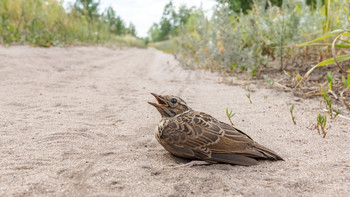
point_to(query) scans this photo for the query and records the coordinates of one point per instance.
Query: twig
(307, 94)
(335, 96)
(282, 86)
(341, 116)
(343, 99)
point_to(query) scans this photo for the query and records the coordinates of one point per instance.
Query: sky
(143, 13)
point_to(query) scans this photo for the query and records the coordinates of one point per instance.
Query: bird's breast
(159, 129)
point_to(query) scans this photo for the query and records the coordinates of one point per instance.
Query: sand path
(75, 122)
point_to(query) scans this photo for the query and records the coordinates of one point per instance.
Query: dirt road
(75, 122)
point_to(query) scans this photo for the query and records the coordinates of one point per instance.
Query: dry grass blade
(334, 55)
(334, 60)
(341, 116)
(305, 76)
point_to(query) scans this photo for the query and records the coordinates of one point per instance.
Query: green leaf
(324, 44)
(233, 66)
(291, 108)
(327, 35)
(329, 77)
(346, 81)
(331, 60)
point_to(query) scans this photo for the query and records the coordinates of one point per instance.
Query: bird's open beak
(161, 102)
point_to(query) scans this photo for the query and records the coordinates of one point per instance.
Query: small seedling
(346, 81)
(248, 96)
(321, 122)
(232, 68)
(230, 115)
(291, 108)
(298, 79)
(330, 80)
(337, 112)
(328, 102)
(255, 72)
(269, 81)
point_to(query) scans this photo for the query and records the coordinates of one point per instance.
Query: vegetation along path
(76, 122)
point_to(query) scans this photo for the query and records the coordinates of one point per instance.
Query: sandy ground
(75, 122)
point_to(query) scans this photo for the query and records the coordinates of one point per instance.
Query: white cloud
(143, 13)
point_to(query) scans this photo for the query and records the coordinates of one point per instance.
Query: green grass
(47, 23)
(165, 46)
(253, 41)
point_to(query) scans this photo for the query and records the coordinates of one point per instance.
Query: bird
(200, 137)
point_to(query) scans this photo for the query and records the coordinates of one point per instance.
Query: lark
(202, 138)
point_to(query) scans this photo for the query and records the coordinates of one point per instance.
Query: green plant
(336, 59)
(232, 68)
(269, 81)
(248, 96)
(291, 109)
(298, 77)
(321, 123)
(48, 23)
(171, 22)
(346, 80)
(230, 115)
(330, 80)
(251, 39)
(333, 113)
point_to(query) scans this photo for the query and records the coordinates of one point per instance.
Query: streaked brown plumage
(196, 135)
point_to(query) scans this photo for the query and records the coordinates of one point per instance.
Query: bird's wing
(209, 139)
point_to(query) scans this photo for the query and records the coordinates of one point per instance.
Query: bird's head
(169, 106)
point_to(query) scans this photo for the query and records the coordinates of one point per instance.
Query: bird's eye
(173, 100)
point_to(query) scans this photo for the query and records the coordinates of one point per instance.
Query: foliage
(47, 23)
(328, 103)
(230, 116)
(340, 33)
(255, 40)
(245, 5)
(115, 23)
(87, 8)
(321, 122)
(170, 23)
(330, 80)
(126, 40)
(291, 109)
(346, 80)
(166, 46)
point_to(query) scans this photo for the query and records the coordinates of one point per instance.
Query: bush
(254, 40)
(47, 23)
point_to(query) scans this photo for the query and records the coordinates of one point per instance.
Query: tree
(154, 32)
(132, 29)
(120, 26)
(170, 22)
(115, 23)
(245, 5)
(110, 18)
(87, 8)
